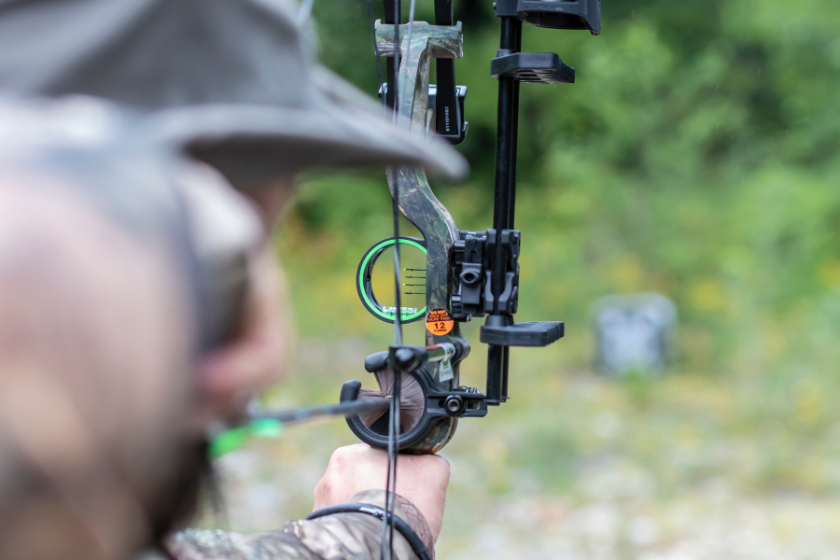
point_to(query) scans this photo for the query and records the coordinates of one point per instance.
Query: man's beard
(177, 502)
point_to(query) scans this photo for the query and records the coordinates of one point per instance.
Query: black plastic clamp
(533, 333)
(533, 68)
(509, 296)
(467, 259)
(568, 14)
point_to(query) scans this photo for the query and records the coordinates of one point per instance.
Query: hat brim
(343, 129)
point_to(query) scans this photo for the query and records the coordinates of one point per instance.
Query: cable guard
(452, 127)
(532, 68)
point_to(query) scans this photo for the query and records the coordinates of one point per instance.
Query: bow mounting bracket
(566, 14)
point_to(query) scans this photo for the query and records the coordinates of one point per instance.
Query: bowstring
(393, 450)
(388, 523)
(387, 537)
(304, 14)
(387, 542)
(379, 81)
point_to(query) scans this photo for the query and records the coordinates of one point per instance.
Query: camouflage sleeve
(346, 536)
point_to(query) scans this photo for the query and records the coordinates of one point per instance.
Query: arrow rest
(430, 410)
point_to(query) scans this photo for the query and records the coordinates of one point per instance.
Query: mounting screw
(470, 277)
(454, 405)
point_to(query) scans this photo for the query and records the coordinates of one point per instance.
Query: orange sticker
(439, 322)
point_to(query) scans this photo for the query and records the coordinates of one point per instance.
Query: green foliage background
(697, 155)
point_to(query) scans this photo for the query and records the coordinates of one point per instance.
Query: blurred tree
(696, 155)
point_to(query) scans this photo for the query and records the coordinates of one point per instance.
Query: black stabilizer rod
(503, 208)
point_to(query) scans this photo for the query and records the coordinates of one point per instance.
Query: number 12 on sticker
(439, 322)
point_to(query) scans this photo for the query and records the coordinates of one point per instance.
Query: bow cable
(387, 537)
(396, 87)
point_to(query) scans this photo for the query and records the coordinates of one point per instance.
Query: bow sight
(468, 274)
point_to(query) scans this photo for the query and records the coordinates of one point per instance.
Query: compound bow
(468, 274)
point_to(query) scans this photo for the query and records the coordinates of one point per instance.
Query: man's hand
(226, 223)
(255, 358)
(421, 479)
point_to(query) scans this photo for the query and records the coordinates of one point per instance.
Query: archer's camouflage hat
(231, 81)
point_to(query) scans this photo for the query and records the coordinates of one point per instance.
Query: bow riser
(417, 202)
